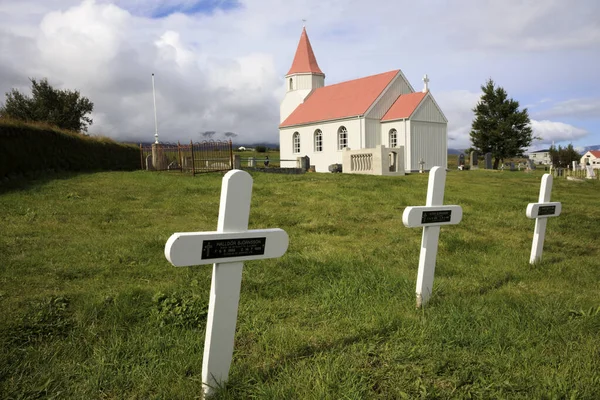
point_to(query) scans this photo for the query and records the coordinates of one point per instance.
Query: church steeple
(302, 79)
(305, 60)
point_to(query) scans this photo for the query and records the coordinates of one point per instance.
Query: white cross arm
(199, 248)
(543, 210)
(423, 216)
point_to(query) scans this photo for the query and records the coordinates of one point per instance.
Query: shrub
(31, 147)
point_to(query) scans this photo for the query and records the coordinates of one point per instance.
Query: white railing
(361, 162)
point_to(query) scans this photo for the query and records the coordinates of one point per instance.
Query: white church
(374, 125)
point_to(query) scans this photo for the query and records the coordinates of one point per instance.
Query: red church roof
(342, 100)
(595, 153)
(304, 60)
(404, 106)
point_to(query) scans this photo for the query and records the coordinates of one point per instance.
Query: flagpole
(155, 119)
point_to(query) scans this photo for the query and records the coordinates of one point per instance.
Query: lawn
(92, 309)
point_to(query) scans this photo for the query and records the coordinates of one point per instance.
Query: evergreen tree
(499, 127)
(66, 109)
(563, 157)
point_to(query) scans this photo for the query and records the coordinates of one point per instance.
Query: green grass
(92, 309)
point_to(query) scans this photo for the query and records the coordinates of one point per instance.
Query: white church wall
(398, 86)
(372, 133)
(401, 127)
(291, 100)
(428, 141)
(330, 153)
(428, 111)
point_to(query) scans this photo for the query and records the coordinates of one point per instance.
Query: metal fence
(199, 157)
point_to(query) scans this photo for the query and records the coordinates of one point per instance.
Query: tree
(499, 127)
(563, 157)
(66, 109)
(208, 135)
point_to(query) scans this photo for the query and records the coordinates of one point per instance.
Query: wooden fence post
(193, 159)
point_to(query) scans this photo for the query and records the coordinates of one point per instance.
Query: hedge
(26, 148)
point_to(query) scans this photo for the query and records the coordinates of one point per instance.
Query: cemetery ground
(92, 309)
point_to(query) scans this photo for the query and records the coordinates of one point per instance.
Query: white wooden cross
(541, 211)
(226, 249)
(430, 217)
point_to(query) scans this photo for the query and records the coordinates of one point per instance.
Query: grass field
(92, 309)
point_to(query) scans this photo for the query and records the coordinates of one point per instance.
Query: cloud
(578, 108)
(551, 131)
(457, 105)
(515, 25)
(219, 65)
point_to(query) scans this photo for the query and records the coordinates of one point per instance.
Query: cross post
(541, 211)
(226, 249)
(430, 217)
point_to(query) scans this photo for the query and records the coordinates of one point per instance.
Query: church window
(296, 141)
(318, 140)
(342, 138)
(393, 138)
(291, 84)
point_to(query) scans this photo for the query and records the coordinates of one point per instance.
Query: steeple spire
(305, 60)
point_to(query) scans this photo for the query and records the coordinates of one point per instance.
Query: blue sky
(219, 65)
(190, 8)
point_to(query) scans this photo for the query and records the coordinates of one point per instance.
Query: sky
(219, 65)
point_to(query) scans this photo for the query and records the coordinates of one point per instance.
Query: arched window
(296, 141)
(393, 138)
(342, 138)
(318, 140)
(291, 84)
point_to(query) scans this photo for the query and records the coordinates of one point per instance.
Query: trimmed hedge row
(26, 148)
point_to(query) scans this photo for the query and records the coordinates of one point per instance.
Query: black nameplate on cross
(432, 217)
(223, 248)
(546, 210)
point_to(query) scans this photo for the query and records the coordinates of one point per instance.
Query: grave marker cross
(541, 211)
(430, 217)
(226, 249)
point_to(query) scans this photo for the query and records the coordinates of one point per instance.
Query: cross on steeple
(304, 23)
(426, 86)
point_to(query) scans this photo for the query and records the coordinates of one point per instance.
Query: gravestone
(474, 160)
(149, 166)
(237, 161)
(488, 161)
(461, 160)
(430, 217)
(227, 249)
(589, 172)
(541, 211)
(334, 168)
(421, 166)
(252, 162)
(512, 166)
(303, 163)
(531, 164)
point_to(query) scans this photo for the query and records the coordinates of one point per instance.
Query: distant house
(379, 117)
(540, 157)
(592, 158)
